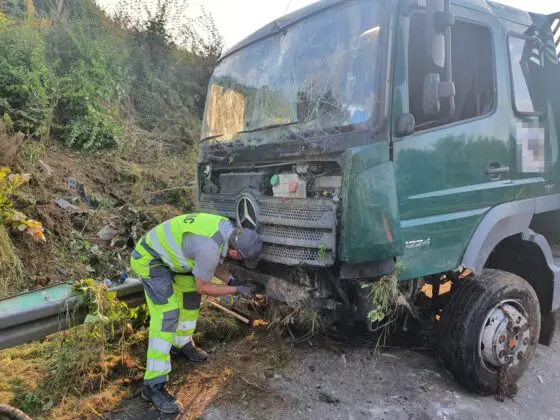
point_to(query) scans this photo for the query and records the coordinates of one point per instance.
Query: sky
(236, 19)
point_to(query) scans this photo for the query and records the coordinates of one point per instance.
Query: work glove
(247, 291)
(235, 282)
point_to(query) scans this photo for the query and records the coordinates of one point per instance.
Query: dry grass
(216, 327)
(92, 406)
(67, 373)
(71, 375)
(299, 321)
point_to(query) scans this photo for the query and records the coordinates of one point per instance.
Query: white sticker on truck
(531, 148)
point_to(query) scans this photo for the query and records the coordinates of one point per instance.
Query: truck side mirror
(435, 34)
(405, 125)
(434, 91)
(439, 21)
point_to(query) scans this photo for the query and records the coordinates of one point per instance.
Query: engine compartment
(298, 180)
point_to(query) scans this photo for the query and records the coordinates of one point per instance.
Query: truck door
(534, 80)
(450, 170)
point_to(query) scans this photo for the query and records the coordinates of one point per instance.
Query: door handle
(495, 171)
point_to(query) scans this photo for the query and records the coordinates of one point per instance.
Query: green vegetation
(116, 103)
(112, 101)
(384, 294)
(70, 71)
(81, 361)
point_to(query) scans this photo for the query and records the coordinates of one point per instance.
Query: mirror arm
(448, 20)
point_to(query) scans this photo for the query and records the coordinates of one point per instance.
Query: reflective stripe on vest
(167, 238)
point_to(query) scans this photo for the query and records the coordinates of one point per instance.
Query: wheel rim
(495, 348)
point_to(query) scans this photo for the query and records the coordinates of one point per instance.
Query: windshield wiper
(267, 127)
(216, 136)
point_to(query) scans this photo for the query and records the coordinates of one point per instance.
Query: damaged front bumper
(282, 290)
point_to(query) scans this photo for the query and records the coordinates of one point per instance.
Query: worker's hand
(248, 291)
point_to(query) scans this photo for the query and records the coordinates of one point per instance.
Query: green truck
(409, 138)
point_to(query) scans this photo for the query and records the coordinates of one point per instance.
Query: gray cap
(249, 245)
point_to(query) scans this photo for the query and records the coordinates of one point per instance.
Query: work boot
(161, 398)
(190, 352)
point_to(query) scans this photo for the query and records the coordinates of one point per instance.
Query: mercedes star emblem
(247, 212)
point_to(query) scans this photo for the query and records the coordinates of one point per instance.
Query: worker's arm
(206, 267)
(210, 289)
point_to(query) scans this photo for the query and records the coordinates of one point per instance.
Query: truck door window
(473, 73)
(525, 59)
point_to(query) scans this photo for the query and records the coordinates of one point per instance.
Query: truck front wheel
(492, 320)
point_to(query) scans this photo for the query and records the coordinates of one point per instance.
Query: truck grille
(294, 231)
(269, 210)
(297, 256)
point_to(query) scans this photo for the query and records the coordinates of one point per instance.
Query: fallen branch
(231, 313)
(184, 187)
(256, 386)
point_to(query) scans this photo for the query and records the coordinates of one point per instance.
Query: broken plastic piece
(66, 205)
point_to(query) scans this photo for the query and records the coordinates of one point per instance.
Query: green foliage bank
(70, 71)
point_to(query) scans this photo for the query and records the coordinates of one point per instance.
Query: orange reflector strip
(444, 288)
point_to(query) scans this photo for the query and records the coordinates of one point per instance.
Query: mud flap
(548, 328)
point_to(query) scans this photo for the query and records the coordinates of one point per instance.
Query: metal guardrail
(34, 315)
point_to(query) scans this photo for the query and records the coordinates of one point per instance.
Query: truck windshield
(321, 74)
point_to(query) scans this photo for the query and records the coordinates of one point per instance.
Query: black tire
(461, 324)
(11, 413)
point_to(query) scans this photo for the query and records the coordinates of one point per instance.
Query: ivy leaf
(91, 319)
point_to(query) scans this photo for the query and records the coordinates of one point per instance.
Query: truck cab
(412, 139)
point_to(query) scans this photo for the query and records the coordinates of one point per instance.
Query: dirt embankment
(92, 207)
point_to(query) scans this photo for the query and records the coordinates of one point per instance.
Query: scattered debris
(252, 384)
(42, 281)
(426, 388)
(69, 207)
(62, 271)
(80, 189)
(390, 355)
(107, 233)
(328, 398)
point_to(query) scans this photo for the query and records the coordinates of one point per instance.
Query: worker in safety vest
(177, 261)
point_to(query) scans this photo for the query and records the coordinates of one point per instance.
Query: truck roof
(499, 10)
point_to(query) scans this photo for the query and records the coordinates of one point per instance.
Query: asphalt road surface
(351, 383)
(399, 384)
